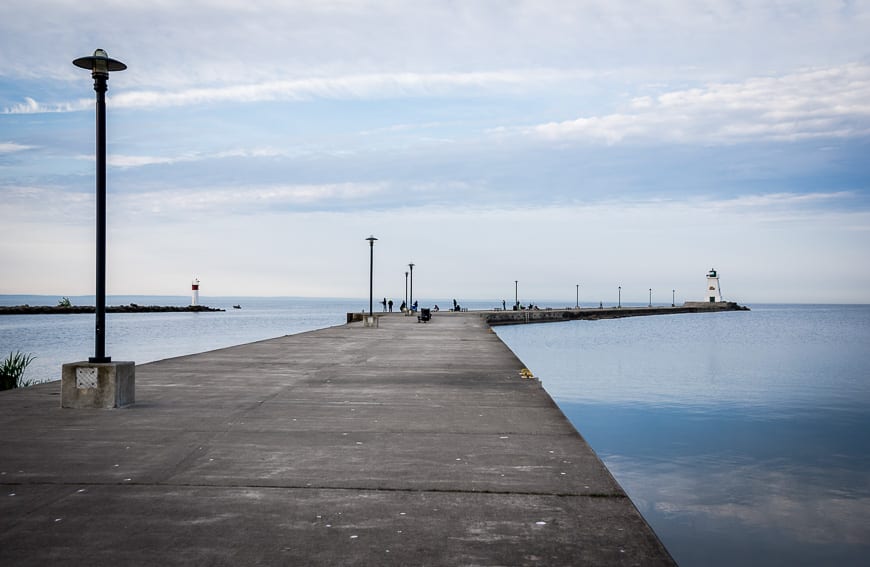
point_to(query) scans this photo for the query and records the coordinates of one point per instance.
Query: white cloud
(12, 147)
(245, 198)
(343, 87)
(235, 234)
(129, 161)
(31, 106)
(827, 103)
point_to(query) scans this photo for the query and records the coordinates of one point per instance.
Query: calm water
(145, 337)
(743, 438)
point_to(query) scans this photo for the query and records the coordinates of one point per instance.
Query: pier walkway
(405, 444)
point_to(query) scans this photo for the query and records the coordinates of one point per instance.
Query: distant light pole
(406, 289)
(673, 298)
(411, 265)
(619, 305)
(517, 293)
(100, 64)
(650, 297)
(577, 304)
(371, 240)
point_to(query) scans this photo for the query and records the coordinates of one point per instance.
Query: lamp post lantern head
(99, 63)
(371, 240)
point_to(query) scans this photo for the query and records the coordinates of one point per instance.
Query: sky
(600, 143)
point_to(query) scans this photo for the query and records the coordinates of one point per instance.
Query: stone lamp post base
(98, 385)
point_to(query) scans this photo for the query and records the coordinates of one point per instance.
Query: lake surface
(146, 337)
(742, 437)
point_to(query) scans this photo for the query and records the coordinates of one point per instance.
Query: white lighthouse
(194, 292)
(713, 295)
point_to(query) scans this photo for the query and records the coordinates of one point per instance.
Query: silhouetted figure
(384, 303)
(503, 305)
(390, 304)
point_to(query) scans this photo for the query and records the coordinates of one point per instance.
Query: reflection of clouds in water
(766, 359)
(794, 501)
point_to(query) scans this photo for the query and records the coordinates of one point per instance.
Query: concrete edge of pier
(404, 443)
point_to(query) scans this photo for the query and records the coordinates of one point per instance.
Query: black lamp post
(517, 293)
(100, 64)
(577, 304)
(650, 297)
(406, 289)
(371, 240)
(673, 298)
(412, 285)
(619, 304)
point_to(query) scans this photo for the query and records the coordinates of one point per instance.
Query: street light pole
(577, 305)
(371, 240)
(650, 297)
(100, 64)
(411, 265)
(673, 298)
(406, 289)
(619, 305)
(516, 294)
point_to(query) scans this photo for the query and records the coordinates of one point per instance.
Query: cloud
(247, 198)
(31, 106)
(12, 147)
(342, 87)
(825, 103)
(130, 161)
(754, 242)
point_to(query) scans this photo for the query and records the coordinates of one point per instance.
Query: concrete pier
(611, 312)
(401, 444)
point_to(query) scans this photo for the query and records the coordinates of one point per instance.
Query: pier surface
(404, 444)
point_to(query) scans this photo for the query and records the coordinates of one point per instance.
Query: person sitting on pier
(436, 308)
(414, 307)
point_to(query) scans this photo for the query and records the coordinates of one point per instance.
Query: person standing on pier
(390, 304)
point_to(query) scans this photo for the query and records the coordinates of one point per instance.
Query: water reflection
(743, 439)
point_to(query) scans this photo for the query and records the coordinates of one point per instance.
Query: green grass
(12, 370)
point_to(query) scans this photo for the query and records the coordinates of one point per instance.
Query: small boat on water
(237, 306)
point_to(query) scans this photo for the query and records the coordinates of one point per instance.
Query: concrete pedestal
(98, 385)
